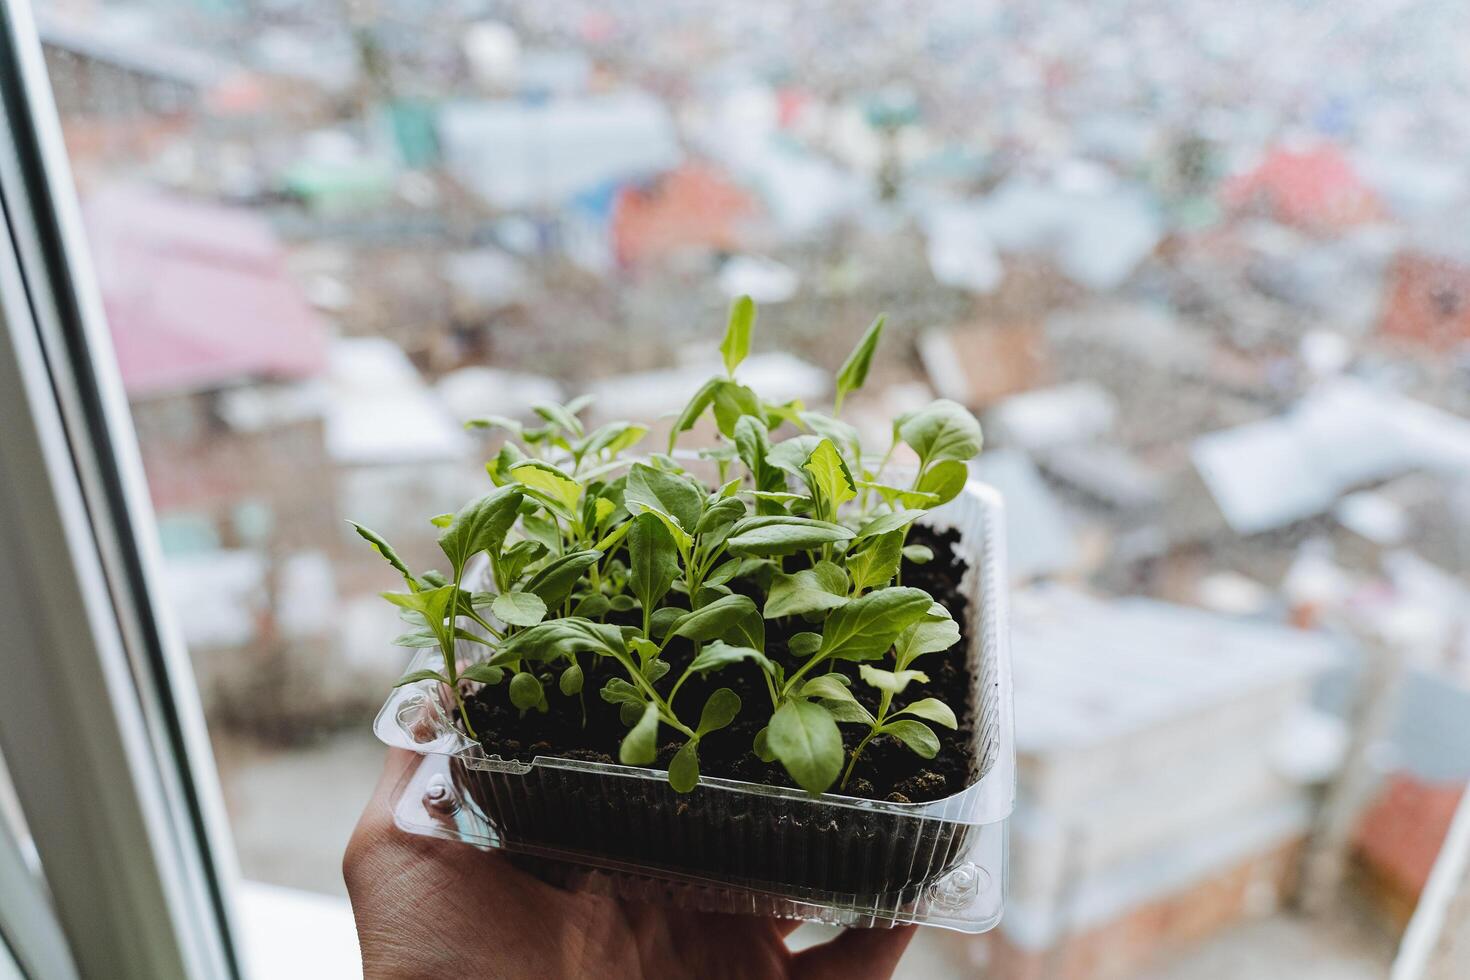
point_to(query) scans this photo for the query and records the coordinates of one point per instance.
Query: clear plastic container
(738, 847)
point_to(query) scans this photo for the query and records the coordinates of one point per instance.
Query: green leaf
(561, 638)
(918, 554)
(791, 454)
(854, 370)
(570, 681)
(413, 677)
(944, 480)
(731, 402)
(516, 430)
(432, 604)
(944, 430)
(653, 563)
(737, 333)
(774, 535)
(723, 572)
(617, 690)
(719, 654)
(612, 438)
(483, 674)
(804, 644)
(499, 466)
(752, 443)
(748, 631)
(720, 708)
(711, 621)
(828, 476)
(815, 589)
(559, 416)
(555, 485)
(555, 581)
(843, 435)
(684, 767)
(865, 628)
(934, 710)
(804, 736)
(518, 557)
(876, 564)
(440, 521)
(714, 527)
(692, 411)
(829, 686)
(655, 669)
(888, 680)
(934, 632)
(663, 618)
(481, 525)
(382, 547)
(667, 494)
(761, 745)
(612, 538)
(915, 734)
(519, 608)
(886, 523)
(899, 497)
(525, 691)
(640, 744)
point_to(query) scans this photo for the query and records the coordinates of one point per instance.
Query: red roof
(1311, 188)
(197, 295)
(1401, 833)
(693, 206)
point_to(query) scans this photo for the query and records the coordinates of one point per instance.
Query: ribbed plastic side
(737, 847)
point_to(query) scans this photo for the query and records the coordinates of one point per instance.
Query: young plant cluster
(592, 553)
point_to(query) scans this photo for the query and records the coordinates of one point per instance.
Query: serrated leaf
(684, 767)
(554, 485)
(854, 370)
(932, 709)
(519, 608)
(827, 475)
(944, 430)
(892, 681)
(875, 565)
(816, 589)
(916, 735)
(640, 744)
(720, 708)
(481, 525)
(803, 735)
(712, 621)
(525, 691)
(865, 628)
(668, 495)
(736, 344)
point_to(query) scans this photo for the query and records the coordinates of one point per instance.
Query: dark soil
(887, 769)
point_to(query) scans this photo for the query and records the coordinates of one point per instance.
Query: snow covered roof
(478, 391)
(1057, 416)
(1345, 433)
(518, 154)
(380, 411)
(1087, 670)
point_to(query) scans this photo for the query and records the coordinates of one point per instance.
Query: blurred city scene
(1201, 269)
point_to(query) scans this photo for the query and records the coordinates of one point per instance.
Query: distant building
(1315, 188)
(1428, 301)
(691, 208)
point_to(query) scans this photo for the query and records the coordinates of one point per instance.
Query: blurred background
(1201, 269)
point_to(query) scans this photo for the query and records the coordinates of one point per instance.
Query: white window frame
(100, 722)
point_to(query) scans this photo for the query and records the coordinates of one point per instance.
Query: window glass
(1201, 271)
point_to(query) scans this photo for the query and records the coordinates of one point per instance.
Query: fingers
(854, 955)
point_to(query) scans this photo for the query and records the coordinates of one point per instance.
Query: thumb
(854, 955)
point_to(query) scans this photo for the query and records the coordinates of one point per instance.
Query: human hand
(435, 909)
